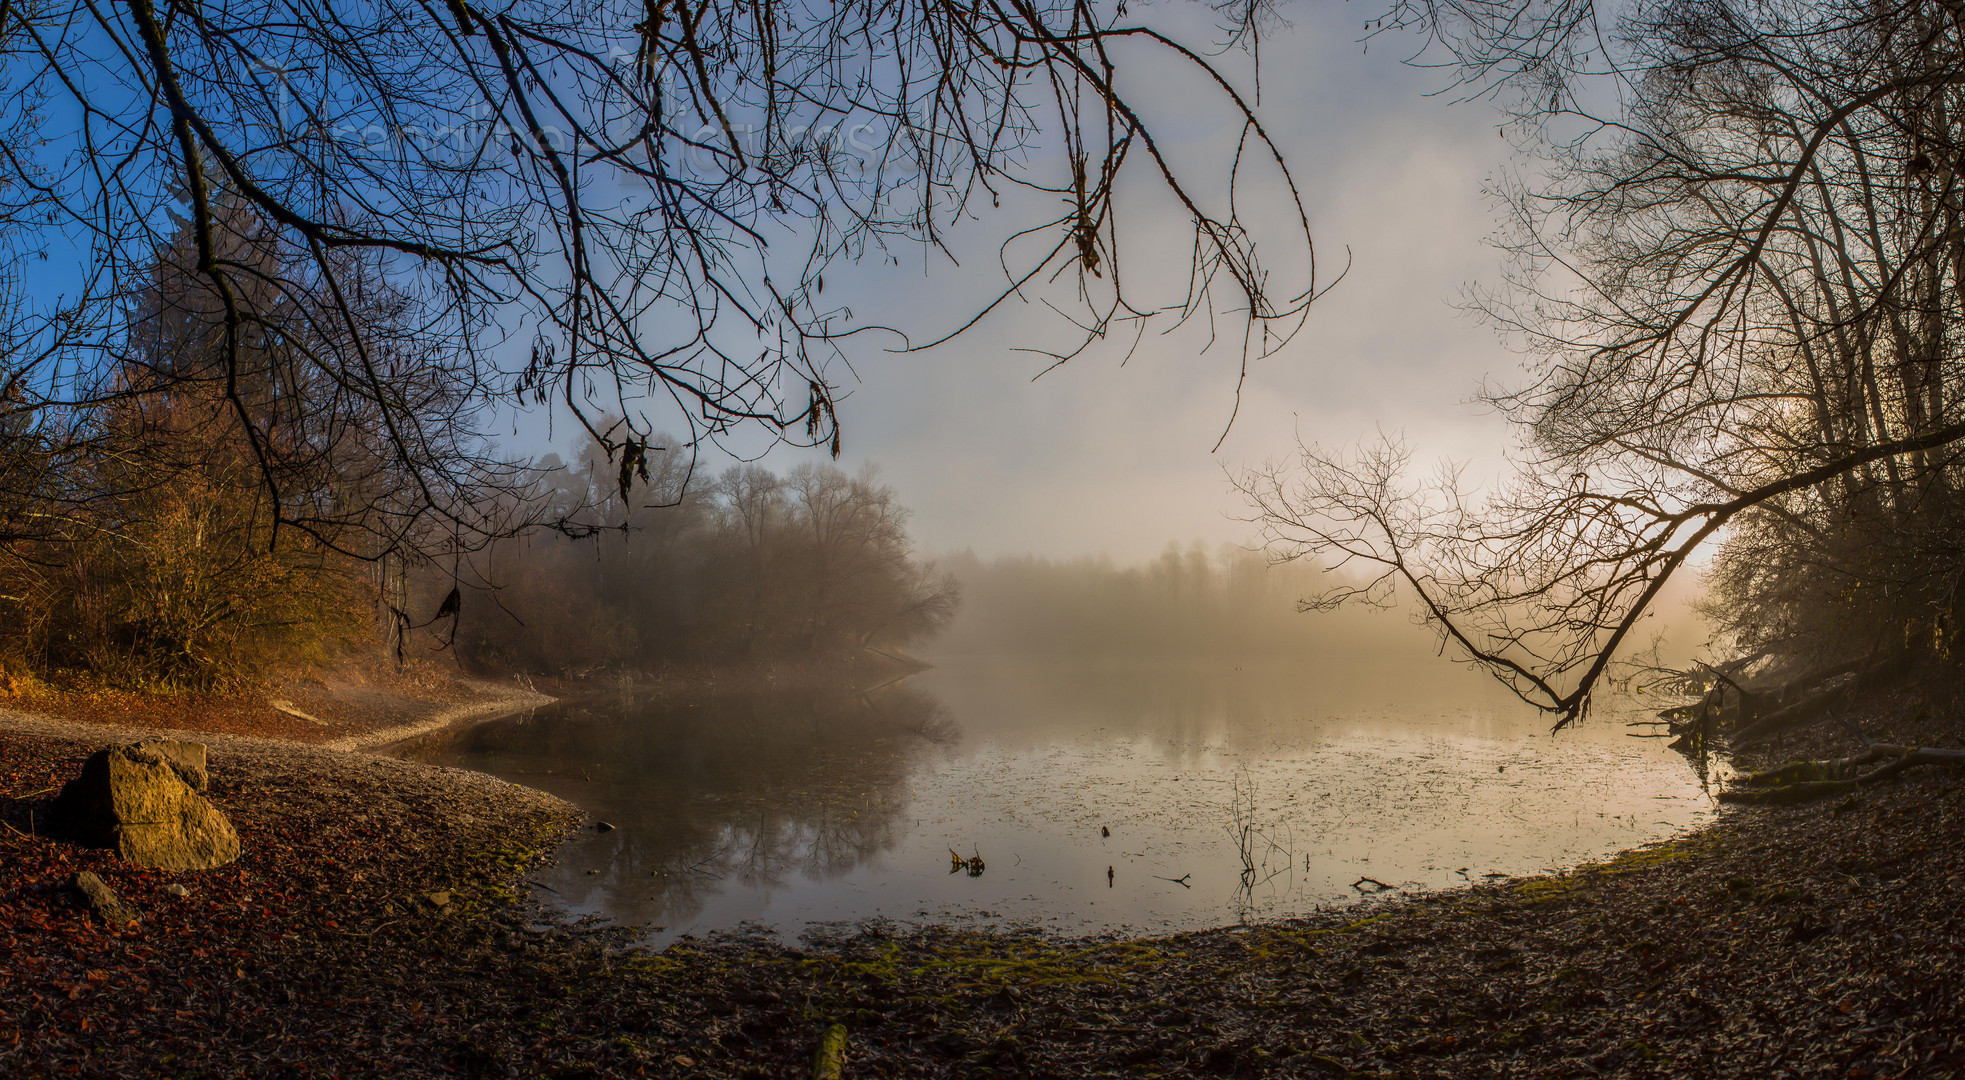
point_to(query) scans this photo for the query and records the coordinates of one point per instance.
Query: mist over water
(1229, 792)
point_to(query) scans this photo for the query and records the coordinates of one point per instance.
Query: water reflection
(1148, 797)
(752, 790)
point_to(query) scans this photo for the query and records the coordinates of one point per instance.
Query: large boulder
(143, 801)
(187, 759)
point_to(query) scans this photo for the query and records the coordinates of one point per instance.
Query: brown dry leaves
(1810, 941)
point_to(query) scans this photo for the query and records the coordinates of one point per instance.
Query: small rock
(177, 890)
(90, 893)
(593, 871)
(437, 899)
(602, 826)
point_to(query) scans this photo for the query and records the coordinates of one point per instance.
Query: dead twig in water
(1180, 881)
(1362, 881)
(1267, 851)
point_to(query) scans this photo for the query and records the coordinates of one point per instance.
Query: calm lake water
(1227, 795)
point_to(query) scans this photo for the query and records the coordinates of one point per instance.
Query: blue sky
(1099, 457)
(1119, 458)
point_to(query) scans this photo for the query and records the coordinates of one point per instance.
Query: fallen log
(1695, 714)
(829, 1061)
(1723, 700)
(1808, 790)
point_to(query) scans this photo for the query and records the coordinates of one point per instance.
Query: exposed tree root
(1820, 705)
(1829, 769)
(1804, 781)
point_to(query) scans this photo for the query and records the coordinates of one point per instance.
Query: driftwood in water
(1724, 699)
(1691, 727)
(1803, 781)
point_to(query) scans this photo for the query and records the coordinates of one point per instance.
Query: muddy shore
(1815, 940)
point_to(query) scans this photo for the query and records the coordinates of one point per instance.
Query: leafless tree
(1740, 286)
(813, 567)
(624, 207)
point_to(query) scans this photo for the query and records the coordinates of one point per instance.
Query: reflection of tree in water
(753, 787)
(1182, 708)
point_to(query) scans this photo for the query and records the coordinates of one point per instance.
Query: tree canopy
(623, 208)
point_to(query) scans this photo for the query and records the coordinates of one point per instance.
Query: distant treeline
(1189, 602)
(749, 566)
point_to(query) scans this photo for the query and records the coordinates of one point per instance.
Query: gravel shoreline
(1817, 940)
(347, 760)
(499, 701)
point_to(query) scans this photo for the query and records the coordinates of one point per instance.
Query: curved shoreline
(1814, 940)
(352, 755)
(258, 750)
(504, 702)
(368, 717)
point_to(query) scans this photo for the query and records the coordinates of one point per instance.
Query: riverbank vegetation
(156, 565)
(153, 543)
(154, 546)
